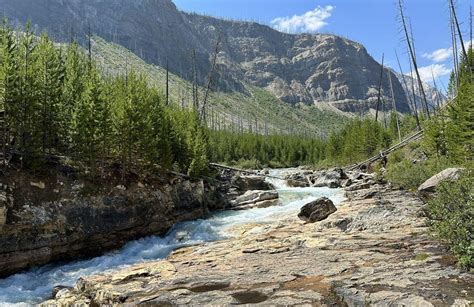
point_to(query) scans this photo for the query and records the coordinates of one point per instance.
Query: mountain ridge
(307, 69)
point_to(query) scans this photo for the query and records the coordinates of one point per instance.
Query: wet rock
(317, 210)
(430, 185)
(260, 204)
(297, 183)
(181, 235)
(58, 291)
(256, 197)
(252, 182)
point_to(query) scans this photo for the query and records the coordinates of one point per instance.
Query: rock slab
(430, 185)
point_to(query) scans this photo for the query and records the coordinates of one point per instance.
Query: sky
(374, 23)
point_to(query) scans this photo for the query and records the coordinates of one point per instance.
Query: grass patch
(410, 175)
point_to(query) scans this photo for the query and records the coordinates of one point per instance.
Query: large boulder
(317, 210)
(298, 180)
(297, 183)
(251, 182)
(253, 199)
(327, 178)
(430, 185)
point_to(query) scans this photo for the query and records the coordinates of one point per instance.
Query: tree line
(56, 101)
(359, 139)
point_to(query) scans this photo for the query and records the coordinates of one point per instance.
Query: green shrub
(452, 217)
(410, 176)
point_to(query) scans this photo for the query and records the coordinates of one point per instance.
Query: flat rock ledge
(374, 250)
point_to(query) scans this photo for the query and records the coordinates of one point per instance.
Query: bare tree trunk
(413, 57)
(167, 84)
(394, 105)
(455, 18)
(379, 91)
(438, 99)
(211, 73)
(194, 76)
(455, 53)
(471, 66)
(89, 36)
(412, 104)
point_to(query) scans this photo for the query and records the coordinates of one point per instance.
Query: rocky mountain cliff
(309, 69)
(434, 96)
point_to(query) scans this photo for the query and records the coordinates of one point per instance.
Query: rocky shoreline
(375, 249)
(59, 217)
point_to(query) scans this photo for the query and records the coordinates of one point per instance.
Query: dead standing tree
(167, 84)
(394, 105)
(202, 112)
(411, 50)
(457, 27)
(379, 91)
(413, 103)
(195, 85)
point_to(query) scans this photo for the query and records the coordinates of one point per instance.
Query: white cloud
(309, 22)
(468, 44)
(443, 54)
(439, 55)
(436, 70)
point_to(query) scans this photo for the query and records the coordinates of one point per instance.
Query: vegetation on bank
(359, 139)
(448, 142)
(56, 101)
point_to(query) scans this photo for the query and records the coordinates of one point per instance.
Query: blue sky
(373, 23)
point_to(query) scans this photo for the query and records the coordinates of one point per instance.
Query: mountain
(256, 110)
(434, 96)
(324, 70)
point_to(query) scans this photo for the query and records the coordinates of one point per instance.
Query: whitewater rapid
(34, 286)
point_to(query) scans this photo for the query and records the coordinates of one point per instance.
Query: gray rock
(317, 210)
(297, 183)
(328, 178)
(430, 185)
(252, 182)
(58, 291)
(253, 197)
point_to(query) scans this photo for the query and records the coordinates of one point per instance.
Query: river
(34, 286)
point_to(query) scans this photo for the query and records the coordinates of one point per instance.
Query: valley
(152, 155)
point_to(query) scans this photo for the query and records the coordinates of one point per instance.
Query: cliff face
(307, 69)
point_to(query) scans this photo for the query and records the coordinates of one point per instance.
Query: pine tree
(74, 82)
(50, 74)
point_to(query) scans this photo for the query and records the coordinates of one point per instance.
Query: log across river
(36, 285)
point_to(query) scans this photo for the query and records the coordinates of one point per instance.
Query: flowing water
(35, 285)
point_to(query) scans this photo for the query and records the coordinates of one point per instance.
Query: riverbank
(375, 249)
(60, 214)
